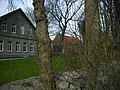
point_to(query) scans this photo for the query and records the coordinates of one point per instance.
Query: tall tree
(43, 48)
(63, 11)
(116, 31)
(92, 41)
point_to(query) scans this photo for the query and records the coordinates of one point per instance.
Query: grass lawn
(60, 63)
(11, 70)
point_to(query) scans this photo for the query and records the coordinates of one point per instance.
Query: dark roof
(13, 12)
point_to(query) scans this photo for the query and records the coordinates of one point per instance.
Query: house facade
(17, 35)
(70, 45)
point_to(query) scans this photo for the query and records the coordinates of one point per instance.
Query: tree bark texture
(43, 48)
(92, 41)
(116, 31)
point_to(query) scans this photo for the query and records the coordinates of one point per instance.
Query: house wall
(19, 19)
(6, 54)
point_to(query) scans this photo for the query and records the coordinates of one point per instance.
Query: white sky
(18, 4)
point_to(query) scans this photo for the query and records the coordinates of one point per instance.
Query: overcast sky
(18, 4)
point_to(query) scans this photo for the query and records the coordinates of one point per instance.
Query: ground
(16, 69)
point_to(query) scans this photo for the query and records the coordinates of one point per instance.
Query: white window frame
(33, 47)
(4, 27)
(22, 29)
(17, 47)
(13, 28)
(9, 45)
(2, 46)
(26, 46)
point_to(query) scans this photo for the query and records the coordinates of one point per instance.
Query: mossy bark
(43, 48)
(92, 41)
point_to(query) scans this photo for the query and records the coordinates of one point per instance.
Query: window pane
(22, 29)
(32, 47)
(25, 47)
(1, 41)
(4, 27)
(1, 46)
(13, 28)
(17, 46)
(29, 32)
(9, 46)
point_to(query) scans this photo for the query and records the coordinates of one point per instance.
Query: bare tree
(11, 4)
(92, 42)
(63, 12)
(101, 44)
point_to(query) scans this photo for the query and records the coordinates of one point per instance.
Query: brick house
(17, 35)
(70, 45)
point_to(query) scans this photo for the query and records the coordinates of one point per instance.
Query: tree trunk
(92, 41)
(116, 32)
(43, 47)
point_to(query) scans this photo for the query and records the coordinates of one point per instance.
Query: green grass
(60, 63)
(17, 69)
(12, 70)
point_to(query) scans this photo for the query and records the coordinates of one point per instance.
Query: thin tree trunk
(43, 45)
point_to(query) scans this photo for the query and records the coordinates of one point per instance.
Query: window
(9, 46)
(17, 46)
(22, 29)
(31, 47)
(29, 32)
(13, 28)
(1, 46)
(4, 27)
(24, 47)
